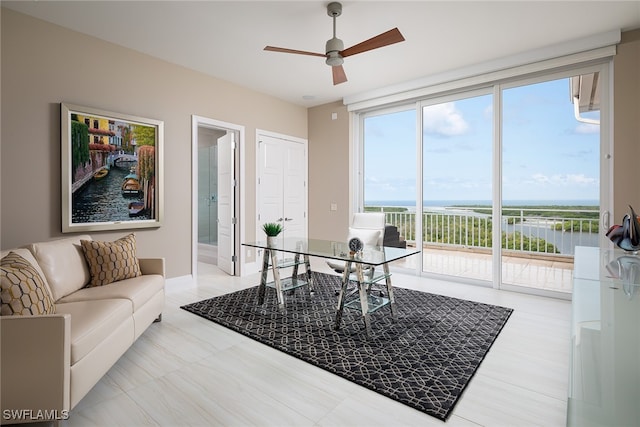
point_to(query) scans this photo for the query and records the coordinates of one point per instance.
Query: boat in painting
(131, 185)
(136, 208)
(101, 173)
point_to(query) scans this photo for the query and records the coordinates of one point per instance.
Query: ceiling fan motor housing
(333, 48)
(334, 45)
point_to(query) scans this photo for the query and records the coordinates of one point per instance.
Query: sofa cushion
(111, 261)
(139, 290)
(63, 264)
(93, 321)
(23, 291)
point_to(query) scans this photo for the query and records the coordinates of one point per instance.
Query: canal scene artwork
(113, 170)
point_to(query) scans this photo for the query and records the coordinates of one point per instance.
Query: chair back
(369, 221)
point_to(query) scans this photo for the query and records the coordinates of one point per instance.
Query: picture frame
(111, 169)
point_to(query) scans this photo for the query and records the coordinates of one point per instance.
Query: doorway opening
(215, 192)
(208, 193)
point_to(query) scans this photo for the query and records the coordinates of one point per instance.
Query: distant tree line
(476, 231)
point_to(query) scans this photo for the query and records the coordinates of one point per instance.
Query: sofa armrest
(152, 265)
(35, 353)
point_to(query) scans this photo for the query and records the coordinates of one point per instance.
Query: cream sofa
(50, 362)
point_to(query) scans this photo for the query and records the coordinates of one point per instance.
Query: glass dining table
(359, 268)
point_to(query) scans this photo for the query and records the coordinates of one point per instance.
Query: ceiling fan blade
(339, 75)
(381, 40)
(299, 52)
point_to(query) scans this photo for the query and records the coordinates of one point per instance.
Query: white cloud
(540, 178)
(562, 179)
(488, 112)
(444, 119)
(580, 179)
(587, 128)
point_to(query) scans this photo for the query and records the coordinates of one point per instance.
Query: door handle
(288, 219)
(279, 219)
(605, 220)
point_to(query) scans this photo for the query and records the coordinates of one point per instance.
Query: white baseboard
(208, 254)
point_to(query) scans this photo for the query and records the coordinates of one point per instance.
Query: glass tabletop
(372, 255)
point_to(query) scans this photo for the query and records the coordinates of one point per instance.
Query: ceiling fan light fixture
(334, 59)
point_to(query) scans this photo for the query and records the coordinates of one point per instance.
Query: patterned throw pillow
(111, 261)
(23, 290)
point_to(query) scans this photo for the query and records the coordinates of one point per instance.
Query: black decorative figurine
(627, 235)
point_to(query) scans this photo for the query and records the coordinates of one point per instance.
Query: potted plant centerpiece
(271, 229)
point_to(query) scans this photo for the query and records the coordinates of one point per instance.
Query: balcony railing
(527, 230)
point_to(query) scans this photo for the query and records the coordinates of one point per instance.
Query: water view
(104, 199)
(113, 168)
(540, 226)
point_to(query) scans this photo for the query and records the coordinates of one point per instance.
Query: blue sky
(547, 153)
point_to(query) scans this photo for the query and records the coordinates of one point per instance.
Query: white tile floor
(187, 371)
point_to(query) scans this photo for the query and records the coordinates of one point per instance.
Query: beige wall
(43, 65)
(328, 171)
(626, 126)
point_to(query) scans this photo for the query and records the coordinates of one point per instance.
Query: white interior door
(270, 189)
(282, 185)
(295, 186)
(226, 203)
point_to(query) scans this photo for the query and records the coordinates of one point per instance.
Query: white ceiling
(226, 39)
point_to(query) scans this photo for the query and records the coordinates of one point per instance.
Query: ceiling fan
(335, 51)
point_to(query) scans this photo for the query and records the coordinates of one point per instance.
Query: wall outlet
(334, 207)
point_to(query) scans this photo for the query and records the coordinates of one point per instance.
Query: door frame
(239, 230)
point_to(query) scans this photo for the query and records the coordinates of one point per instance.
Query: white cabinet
(604, 385)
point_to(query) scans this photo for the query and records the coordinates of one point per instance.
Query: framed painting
(112, 173)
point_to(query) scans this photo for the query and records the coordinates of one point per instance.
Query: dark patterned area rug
(425, 360)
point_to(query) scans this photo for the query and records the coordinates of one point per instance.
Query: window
(390, 173)
(550, 182)
(457, 187)
(508, 182)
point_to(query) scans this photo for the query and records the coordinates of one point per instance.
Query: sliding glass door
(509, 179)
(390, 175)
(550, 179)
(457, 141)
